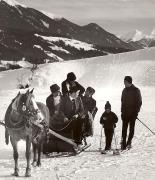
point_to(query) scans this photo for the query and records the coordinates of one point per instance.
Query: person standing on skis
(131, 102)
(108, 120)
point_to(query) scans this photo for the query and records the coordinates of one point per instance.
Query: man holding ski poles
(131, 102)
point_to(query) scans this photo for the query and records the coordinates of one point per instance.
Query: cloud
(153, 33)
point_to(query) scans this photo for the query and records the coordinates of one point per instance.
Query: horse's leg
(34, 163)
(39, 153)
(28, 156)
(15, 156)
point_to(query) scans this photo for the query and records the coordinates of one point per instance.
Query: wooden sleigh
(61, 140)
(59, 144)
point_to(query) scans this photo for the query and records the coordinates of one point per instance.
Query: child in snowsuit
(108, 121)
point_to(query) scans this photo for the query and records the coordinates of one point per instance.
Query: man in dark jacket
(108, 121)
(131, 102)
(72, 109)
(69, 83)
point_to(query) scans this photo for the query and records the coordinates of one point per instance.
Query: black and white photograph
(77, 89)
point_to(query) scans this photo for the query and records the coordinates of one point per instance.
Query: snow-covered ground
(106, 75)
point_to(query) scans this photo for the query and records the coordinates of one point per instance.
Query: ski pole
(116, 151)
(115, 139)
(146, 126)
(101, 138)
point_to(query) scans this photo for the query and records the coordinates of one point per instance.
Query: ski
(83, 148)
(60, 154)
(125, 150)
(112, 151)
(67, 154)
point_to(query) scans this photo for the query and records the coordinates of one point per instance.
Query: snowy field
(106, 75)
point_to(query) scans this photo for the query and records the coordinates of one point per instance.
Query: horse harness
(27, 117)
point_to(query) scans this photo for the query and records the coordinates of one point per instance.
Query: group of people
(131, 102)
(75, 109)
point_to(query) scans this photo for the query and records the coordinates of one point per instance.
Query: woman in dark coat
(53, 103)
(90, 110)
(69, 83)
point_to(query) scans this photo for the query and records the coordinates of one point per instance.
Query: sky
(115, 16)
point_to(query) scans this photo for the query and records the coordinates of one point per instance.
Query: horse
(20, 119)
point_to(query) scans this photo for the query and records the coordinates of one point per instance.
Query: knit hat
(90, 90)
(128, 79)
(54, 88)
(107, 105)
(71, 76)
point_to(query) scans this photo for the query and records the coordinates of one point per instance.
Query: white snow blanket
(106, 75)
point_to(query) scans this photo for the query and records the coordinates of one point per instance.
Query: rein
(58, 130)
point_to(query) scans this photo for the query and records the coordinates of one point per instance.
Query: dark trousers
(128, 121)
(77, 126)
(88, 127)
(108, 137)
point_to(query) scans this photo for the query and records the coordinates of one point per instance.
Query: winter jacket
(65, 90)
(50, 104)
(108, 120)
(89, 104)
(131, 101)
(66, 107)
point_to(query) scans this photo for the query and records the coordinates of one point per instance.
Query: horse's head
(24, 103)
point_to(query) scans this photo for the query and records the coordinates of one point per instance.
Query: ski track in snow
(135, 164)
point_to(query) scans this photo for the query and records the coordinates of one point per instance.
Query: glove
(66, 119)
(75, 116)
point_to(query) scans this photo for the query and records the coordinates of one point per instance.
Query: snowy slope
(106, 75)
(72, 42)
(13, 3)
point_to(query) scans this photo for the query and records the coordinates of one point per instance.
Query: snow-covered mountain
(19, 24)
(148, 40)
(105, 74)
(134, 35)
(12, 3)
(137, 37)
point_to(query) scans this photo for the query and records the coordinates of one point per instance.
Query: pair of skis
(115, 151)
(68, 154)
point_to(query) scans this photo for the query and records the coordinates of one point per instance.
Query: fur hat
(90, 90)
(128, 79)
(107, 105)
(54, 88)
(71, 76)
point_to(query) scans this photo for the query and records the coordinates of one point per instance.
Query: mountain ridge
(19, 25)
